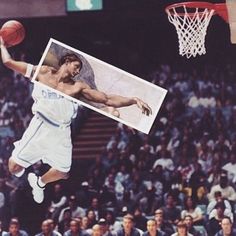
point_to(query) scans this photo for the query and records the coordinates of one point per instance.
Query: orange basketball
(12, 33)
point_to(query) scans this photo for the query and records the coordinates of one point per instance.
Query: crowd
(179, 180)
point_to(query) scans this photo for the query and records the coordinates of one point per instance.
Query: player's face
(74, 68)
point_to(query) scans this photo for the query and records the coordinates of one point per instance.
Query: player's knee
(13, 167)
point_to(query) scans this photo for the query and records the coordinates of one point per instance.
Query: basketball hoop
(191, 20)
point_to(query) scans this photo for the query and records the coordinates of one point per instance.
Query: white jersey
(52, 105)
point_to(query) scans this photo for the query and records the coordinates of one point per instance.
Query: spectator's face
(188, 221)
(46, 227)
(189, 202)
(74, 226)
(91, 215)
(220, 211)
(226, 226)
(95, 203)
(96, 230)
(151, 227)
(14, 229)
(170, 200)
(159, 219)
(182, 231)
(127, 224)
(85, 222)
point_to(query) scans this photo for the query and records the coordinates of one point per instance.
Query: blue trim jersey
(52, 105)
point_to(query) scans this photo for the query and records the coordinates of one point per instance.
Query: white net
(191, 28)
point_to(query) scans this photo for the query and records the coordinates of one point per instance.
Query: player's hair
(70, 57)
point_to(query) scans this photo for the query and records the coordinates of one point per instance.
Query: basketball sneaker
(37, 191)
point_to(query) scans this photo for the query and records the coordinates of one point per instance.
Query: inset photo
(99, 86)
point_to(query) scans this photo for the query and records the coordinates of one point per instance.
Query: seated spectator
(181, 229)
(230, 167)
(192, 210)
(128, 228)
(152, 229)
(96, 230)
(188, 220)
(58, 201)
(140, 220)
(76, 211)
(226, 228)
(91, 218)
(218, 198)
(215, 218)
(104, 227)
(227, 191)
(171, 212)
(14, 229)
(75, 229)
(47, 229)
(226, 211)
(163, 225)
(52, 228)
(84, 223)
(64, 224)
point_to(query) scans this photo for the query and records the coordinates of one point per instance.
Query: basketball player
(48, 137)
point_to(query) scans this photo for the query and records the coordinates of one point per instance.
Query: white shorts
(43, 141)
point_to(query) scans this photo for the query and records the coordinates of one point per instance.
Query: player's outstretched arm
(115, 100)
(18, 66)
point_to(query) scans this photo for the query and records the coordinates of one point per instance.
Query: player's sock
(40, 183)
(20, 173)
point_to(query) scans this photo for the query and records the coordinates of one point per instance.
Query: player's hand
(146, 110)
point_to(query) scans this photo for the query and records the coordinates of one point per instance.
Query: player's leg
(38, 183)
(58, 155)
(26, 152)
(231, 6)
(14, 168)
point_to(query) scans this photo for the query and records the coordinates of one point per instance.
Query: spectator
(14, 229)
(64, 224)
(128, 227)
(58, 201)
(230, 167)
(182, 229)
(76, 211)
(192, 210)
(52, 228)
(96, 230)
(188, 220)
(171, 212)
(91, 218)
(215, 218)
(104, 227)
(140, 220)
(218, 198)
(152, 229)
(226, 228)
(75, 229)
(163, 225)
(226, 190)
(46, 229)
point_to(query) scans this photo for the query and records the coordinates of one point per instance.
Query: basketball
(12, 32)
